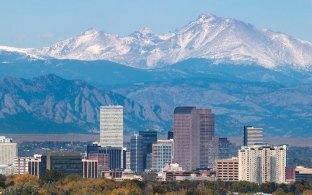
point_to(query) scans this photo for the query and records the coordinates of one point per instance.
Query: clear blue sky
(36, 23)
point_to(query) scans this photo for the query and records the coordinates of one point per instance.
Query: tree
(24, 178)
(22, 189)
(51, 176)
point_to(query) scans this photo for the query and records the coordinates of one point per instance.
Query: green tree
(51, 176)
(22, 189)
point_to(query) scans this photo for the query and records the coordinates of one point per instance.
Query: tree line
(54, 183)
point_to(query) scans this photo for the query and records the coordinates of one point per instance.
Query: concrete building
(303, 174)
(136, 149)
(162, 153)
(227, 169)
(262, 163)
(111, 126)
(89, 168)
(35, 166)
(8, 151)
(149, 138)
(21, 165)
(252, 135)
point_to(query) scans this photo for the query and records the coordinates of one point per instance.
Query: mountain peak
(209, 37)
(90, 31)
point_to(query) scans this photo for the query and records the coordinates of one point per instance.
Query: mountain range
(209, 37)
(248, 76)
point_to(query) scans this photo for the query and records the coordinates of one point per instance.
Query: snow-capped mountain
(210, 37)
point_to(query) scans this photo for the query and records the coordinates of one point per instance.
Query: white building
(8, 151)
(262, 163)
(162, 153)
(111, 126)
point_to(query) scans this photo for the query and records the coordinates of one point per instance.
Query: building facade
(262, 163)
(149, 138)
(186, 138)
(8, 151)
(111, 126)
(136, 156)
(162, 153)
(89, 168)
(252, 135)
(227, 169)
(205, 119)
(67, 163)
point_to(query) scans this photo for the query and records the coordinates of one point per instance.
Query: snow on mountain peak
(211, 37)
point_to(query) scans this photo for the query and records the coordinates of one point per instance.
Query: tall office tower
(186, 138)
(162, 153)
(149, 138)
(136, 149)
(224, 148)
(262, 163)
(252, 135)
(8, 151)
(111, 126)
(206, 128)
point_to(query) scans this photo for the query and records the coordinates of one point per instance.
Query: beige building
(262, 163)
(227, 169)
(162, 153)
(111, 126)
(8, 151)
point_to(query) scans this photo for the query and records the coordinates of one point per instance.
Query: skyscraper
(252, 135)
(149, 138)
(193, 137)
(262, 163)
(111, 126)
(208, 147)
(186, 138)
(8, 151)
(136, 153)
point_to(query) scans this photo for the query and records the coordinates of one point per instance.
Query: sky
(37, 23)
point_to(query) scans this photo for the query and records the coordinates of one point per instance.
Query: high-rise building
(193, 136)
(8, 151)
(224, 148)
(108, 158)
(227, 169)
(136, 156)
(186, 138)
(162, 153)
(213, 152)
(111, 126)
(206, 128)
(252, 135)
(262, 163)
(149, 138)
